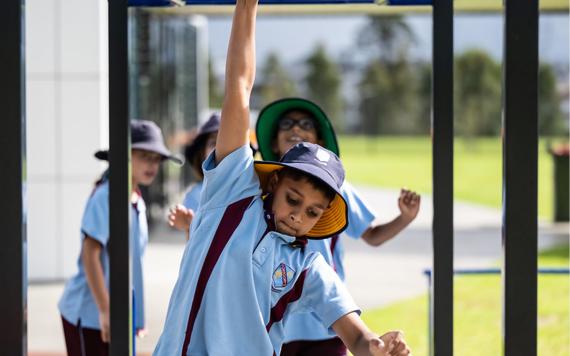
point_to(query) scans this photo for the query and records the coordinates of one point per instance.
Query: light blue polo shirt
(192, 197)
(77, 303)
(307, 326)
(240, 281)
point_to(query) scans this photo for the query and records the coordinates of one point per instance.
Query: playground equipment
(520, 158)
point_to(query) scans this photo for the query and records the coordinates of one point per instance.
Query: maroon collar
(136, 203)
(300, 242)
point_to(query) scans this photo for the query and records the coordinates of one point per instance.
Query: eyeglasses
(305, 123)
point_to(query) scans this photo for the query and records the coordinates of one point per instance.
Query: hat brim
(267, 125)
(103, 155)
(334, 219)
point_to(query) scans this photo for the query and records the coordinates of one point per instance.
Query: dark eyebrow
(296, 191)
(319, 206)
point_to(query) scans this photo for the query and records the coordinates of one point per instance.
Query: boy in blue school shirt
(245, 270)
(84, 305)
(280, 125)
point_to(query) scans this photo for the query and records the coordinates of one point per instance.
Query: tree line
(392, 94)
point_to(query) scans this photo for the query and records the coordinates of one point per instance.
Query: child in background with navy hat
(84, 306)
(248, 271)
(180, 216)
(280, 125)
(196, 152)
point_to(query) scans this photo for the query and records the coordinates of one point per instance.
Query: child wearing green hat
(281, 125)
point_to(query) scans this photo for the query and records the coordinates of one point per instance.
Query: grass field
(477, 313)
(393, 162)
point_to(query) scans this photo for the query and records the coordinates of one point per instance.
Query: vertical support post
(119, 183)
(520, 177)
(441, 314)
(13, 299)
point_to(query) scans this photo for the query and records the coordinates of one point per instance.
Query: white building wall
(67, 110)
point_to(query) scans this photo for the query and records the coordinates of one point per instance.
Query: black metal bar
(520, 177)
(13, 299)
(119, 183)
(441, 323)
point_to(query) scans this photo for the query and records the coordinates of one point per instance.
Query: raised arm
(240, 74)
(409, 204)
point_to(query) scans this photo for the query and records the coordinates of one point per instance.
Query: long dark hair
(194, 154)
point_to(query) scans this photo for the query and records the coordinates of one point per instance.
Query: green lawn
(393, 162)
(477, 313)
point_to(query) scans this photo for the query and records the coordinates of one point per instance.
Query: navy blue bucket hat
(212, 125)
(147, 136)
(317, 161)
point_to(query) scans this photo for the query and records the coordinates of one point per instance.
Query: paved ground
(375, 276)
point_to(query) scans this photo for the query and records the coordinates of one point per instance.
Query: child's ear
(272, 183)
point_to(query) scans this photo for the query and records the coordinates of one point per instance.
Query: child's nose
(296, 128)
(295, 217)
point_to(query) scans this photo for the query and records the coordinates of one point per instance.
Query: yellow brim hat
(325, 166)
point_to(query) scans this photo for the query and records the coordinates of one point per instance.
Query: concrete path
(375, 276)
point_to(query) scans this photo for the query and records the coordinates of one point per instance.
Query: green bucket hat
(266, 125)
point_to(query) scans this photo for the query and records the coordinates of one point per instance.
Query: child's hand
(409, 204)
(389, 344)
(180, 218)
(105, 324)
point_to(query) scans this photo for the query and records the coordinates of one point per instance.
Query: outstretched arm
(361, 341)
(240, 74)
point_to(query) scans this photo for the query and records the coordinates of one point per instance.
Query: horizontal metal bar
(407, 2)
(162, 3)
(427, 272)
(409, 6)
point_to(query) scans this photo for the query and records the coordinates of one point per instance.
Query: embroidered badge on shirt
(282, 275)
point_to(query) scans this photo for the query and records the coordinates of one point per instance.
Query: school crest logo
(282, 275)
